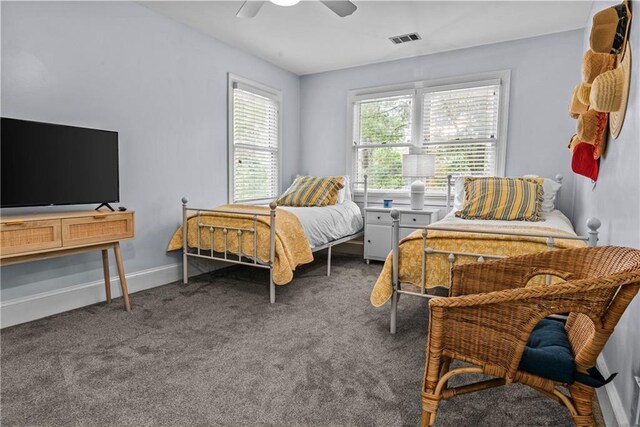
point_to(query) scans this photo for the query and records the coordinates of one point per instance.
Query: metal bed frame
(593, 224)
(251, 261)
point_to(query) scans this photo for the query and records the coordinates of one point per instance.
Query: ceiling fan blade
(249, 9)
(341, 8)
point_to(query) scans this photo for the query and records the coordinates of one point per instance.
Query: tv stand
(106, 205)
(32, 237)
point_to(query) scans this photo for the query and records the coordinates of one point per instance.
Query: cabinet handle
(414, 219)
(378, 217)
(14, 223)
(99, 216)
(368, 241)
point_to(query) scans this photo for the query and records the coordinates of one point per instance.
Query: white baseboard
(33, 307)
(613, 399)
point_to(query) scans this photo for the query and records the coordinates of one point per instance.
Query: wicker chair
(490, 314)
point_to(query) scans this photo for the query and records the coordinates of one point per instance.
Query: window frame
(418, 89)
(233, 81)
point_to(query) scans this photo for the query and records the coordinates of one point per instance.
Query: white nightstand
(377, 228)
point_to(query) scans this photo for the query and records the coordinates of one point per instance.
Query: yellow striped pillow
(312, 191)
(509, 199)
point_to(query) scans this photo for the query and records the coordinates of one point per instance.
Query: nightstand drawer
(97, 228)
(29, 236)
(378, 218)
(419, 219)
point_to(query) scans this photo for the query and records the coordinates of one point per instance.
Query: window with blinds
(458, 123)
(255, 144)
(460, 127)
(382, 136)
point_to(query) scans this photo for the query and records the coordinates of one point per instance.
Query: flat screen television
(45, 164)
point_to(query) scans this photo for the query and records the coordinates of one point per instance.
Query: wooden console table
(33, 237)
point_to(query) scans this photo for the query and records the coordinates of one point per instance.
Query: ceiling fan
(250, 8)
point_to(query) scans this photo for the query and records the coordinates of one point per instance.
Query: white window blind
(460, 127)
(256, 140)
(458, 121)
(382, 135)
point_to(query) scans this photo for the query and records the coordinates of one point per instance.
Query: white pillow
(549, 187)
(345, 192)
(458, 193)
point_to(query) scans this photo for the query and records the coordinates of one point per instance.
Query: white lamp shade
(418, 165)
(285, 2)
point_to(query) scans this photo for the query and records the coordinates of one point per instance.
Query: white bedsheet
(324, 224)
(554, 219)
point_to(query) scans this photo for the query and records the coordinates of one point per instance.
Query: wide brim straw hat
(610, 92)
(594, 64)
(575, 106)
(610, 29)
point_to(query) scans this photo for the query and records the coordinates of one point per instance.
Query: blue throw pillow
(548, 353)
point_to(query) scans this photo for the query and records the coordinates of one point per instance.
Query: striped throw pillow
(312, 191)
(508, 199)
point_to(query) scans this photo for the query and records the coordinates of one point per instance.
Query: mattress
(327, 223)
(554, 219)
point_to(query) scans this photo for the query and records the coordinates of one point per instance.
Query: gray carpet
(215, 352)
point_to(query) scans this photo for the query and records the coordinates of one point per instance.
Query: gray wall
(616, 201)
(542, 76)
(161, 85)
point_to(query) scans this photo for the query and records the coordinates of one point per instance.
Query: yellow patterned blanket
(292, 246)
(410, 259)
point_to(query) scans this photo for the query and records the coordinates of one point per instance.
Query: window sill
(399, 198)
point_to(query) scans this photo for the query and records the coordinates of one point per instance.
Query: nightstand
(377, 228)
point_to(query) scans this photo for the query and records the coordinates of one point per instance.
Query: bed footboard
(226, 255)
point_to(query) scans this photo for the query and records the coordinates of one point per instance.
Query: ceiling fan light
(285, 2)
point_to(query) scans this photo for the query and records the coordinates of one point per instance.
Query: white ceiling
(309, 38)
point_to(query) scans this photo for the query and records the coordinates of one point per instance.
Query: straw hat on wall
(610, 92)
(594, 64)
(592, 129)
(575, 106)
(610, 28)
(584, 91)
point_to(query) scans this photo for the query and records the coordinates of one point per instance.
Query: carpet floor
(215, 352)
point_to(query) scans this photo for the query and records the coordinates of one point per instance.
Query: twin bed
(423, 261)
(277, 238)
(281, 238)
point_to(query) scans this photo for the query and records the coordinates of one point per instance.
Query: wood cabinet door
(377, 242)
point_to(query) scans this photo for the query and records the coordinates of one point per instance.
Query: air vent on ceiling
(405, 38)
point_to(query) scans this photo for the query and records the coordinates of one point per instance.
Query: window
(383, 136)
(254, 141)
(462, 122)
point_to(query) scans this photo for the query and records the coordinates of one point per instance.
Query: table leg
(107, 279)
(123, 279)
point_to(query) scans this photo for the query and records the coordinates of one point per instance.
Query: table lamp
(418, 166)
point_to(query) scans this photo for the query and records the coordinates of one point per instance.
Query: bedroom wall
(163, 87)
(542, 77)
(615, 199)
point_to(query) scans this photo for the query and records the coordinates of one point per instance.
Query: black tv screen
(48, 164)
